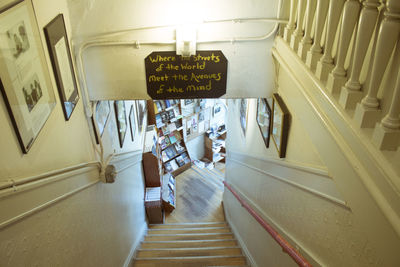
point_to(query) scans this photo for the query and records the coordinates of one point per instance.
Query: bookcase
(214, 145)
(173, 155)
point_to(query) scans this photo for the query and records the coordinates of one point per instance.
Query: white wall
(70, 219)
(312, 197)
(117, 72)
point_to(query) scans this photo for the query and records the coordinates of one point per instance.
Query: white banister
(351, 93)
(306, 42)
(387, 133)
(315, 53)
(298, 33)
(325, 64)
(338, 76)
(368, 112)
(292, 21)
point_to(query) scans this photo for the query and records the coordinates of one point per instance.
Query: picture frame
(243, 107)
(103, 110)
(132, 122)
(280, 125)
(217, 109)
(60, 57)
(141, 109)
(25, 81)
(120, 117)
(264, 119)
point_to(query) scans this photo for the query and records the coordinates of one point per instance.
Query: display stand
(214, 146)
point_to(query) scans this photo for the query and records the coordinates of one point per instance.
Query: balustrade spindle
(315, 53)
(368, 112)
(338, 76)
(298, 33)
(351, 93)
(387, 133)
(306, 42)
(325, 64)
(292, 20)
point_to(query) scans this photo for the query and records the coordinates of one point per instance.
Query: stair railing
(327, 57)
(289, 249)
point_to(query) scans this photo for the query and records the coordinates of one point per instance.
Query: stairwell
(190, 244)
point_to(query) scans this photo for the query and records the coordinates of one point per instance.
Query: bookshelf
(172, 154)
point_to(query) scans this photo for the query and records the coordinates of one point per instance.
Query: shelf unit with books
(167, 116)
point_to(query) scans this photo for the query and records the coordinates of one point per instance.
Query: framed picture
(243, 114)
(141, 111)
(132, 122)
(264, 119)
(60, 56)
(120, 116)
(25, 82)
(280, 125)
(103, 109)
(217, 109)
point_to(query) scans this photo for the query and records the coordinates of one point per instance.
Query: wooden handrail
(293, 253)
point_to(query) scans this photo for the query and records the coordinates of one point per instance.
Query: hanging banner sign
(170, 76)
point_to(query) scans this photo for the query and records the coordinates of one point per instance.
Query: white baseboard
(135, 245)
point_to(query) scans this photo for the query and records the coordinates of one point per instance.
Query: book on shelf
(180, 160)
(164, 141)
(185, 157)
(164, 117)
(176, 111)
(171, 114)
(153, 193)
(179, 147)
(178, 124)
(168, 167)
(172, 138)
(171, 127)
(159, 122)
(167, 103)
(165, 130)
(174, 165)
(171, 180)
(170, 152)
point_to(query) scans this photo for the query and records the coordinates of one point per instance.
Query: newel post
(298, 33)
(351, 93)
(325, 64)
(287, 34)
(306, 42)
(338, 76)
(315, 53)
(368, 112)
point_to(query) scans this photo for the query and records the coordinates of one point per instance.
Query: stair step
(187, 225)
(189, 244)
(190, 230)
(191, 261)
(189, 252)
(172, 237)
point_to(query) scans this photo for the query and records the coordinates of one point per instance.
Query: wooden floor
(199, 196)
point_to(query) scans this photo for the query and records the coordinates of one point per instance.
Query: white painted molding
(294, 242)
(314, 169)
(127, 159)
(371, 166)
(129, 260)
(239, 238)
(299, 185)
(13, 183)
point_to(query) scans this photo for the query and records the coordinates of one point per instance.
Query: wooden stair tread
(188, 252)
(189, 243)
(192, 261)
(202, 236)
(188, 225)
(190, 230)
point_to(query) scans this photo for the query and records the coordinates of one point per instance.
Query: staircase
(189, 244)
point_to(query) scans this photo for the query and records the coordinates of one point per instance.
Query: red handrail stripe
(296, 256)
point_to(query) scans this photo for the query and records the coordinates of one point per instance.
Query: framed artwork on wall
(25, 82)
(264, 119)
(132, 122)
(60, 56)
(103, 109)
(120, 116)
(280, 124)
(141, 109)
(243, 114)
